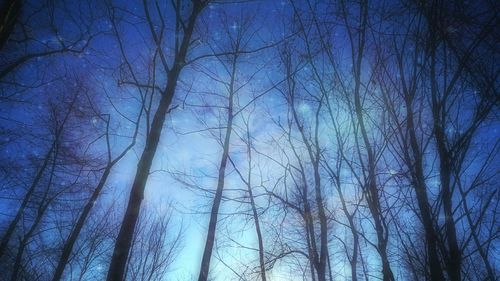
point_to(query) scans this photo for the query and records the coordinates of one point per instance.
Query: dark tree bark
(123, 242)
(9, 13)
(411, 152)
(36, 180)
(370, 185)
(45, 202)
(255, 214)
(210, 240)
(77, 229)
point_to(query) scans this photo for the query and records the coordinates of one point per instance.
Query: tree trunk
(36, 180)
(254, 211)
(44, 204)
(454, 258)
(209, 244)
(124, 239)
(455, 255)
(372, 192)
(371, 188)
(75, 232)
(13, 224)
(9, 14)
(70, 243)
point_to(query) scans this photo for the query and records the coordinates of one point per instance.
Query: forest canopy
(249, 140)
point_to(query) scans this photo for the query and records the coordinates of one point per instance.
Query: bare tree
(111, 161)
(155, 246)
(61, 176)
(232, 59)
(10, 13)
(337, 139)
(58, 133)
(248, 181)
(70, 30)
(452, 147)
(186, 28)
